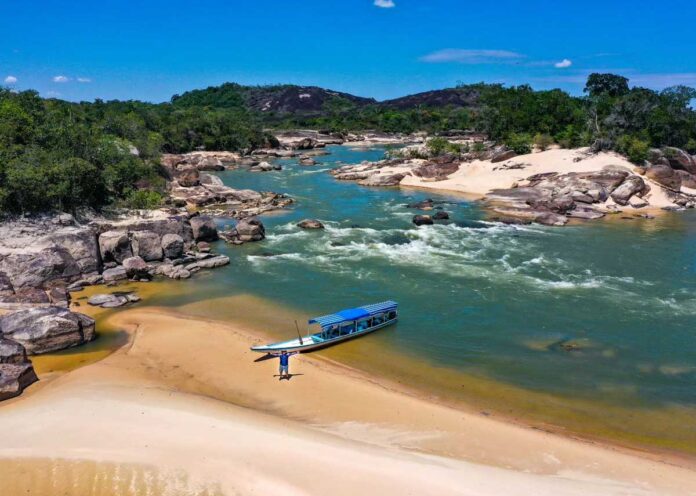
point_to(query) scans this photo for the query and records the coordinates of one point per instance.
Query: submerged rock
(115, 274)
(307, 161)
(310, 224)
(441, 215)
(42, 330)
(208, 263)
(113, 300)
(422, 220)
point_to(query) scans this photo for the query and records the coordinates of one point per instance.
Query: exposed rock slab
(42, 330)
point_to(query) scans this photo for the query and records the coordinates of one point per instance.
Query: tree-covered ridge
(271, 101)
(61, 155)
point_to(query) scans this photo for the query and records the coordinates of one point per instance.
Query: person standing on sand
(284, 369)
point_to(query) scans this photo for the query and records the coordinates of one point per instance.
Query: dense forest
(63, 155)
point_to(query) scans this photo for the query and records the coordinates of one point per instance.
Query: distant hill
(465, 96)
(278, 99)
(284, 100)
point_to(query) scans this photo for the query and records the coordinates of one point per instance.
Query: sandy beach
(479, 177)
(184, 408)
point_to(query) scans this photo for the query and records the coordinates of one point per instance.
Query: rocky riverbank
(548, 187)
(44, 259)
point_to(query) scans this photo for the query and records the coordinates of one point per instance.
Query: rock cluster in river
(552, 198)
(43, 259)
(191, 185)
(246, 230)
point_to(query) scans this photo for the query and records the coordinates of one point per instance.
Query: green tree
(606, 85)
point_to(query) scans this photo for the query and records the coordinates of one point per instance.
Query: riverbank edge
(504, 444)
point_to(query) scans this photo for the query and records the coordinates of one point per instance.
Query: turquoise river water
(588, 327)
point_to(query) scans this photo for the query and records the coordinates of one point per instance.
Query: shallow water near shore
(587, 328)
(40, 476)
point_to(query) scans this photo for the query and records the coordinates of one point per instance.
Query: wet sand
(185, 396)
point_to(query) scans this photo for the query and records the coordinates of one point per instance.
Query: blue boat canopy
(351, 314)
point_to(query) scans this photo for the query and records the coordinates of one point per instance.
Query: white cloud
(385, 4)
(466, 56)
(84, 80)
(52, 94)
(10, 80)
(60, 79)
(563, 64)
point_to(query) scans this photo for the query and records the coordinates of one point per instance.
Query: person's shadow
(285, 377)
(265, 357)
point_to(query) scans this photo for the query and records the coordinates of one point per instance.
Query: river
(588, 328)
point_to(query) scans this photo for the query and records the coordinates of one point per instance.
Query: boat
(338, 327)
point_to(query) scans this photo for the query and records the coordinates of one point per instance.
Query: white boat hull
(309, 343)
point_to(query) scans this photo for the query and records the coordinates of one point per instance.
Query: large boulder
(172, 246)
(136, 268)
(211, 180)
(244, 195)
(551, 219)
(115, 246)
(188, 176)
(687, 180)
(665, 176)
(174, 225)
(679, 159)
(502, 156)
(631, 186)
(11, 352)
(37, 269)
(210, 164)
(15, 378)
(204, 228)
(305, 144)
(147, 244)
(43, 330)
(251, 229)
(83, 247)
(609, 178)
(382, 180)
(436, 171)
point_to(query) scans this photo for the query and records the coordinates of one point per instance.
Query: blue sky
(150, 50)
